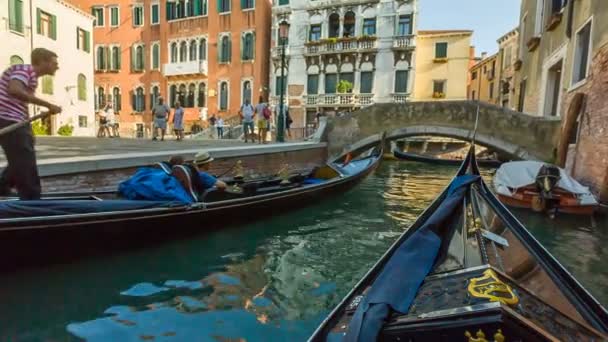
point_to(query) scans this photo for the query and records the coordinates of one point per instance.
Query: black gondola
(442, 161)
(466, 270)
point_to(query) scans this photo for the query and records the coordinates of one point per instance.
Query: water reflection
(270, 281)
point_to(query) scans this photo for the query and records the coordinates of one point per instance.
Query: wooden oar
(17, 125)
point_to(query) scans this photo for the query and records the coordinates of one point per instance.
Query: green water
(269, 281)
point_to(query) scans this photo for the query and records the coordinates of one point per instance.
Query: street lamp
(283, 34)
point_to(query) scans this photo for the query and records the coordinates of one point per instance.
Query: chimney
(484, 55)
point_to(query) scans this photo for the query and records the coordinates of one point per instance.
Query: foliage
(438, 95)
(344, 86)
(39, 128)
(65, 130)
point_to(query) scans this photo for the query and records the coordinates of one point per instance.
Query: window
(198, 7)
(404, 26)
(331, 82)
(193, 50)
(246, 91)
(247, 4)
(155, 14)
(313, 85)
(101, 98)
(223, 96)
(172, 95)
(202, 95)
(202, 50)
(283, 2)
(369, 27)
(401, 79)
(367, 82)
(315, 33)
(14, 60)
(508, 57)
(181, 95)
(137, 58)
(138, 15)
(439, 87)
(348, 28)
(441, 50)
(224, 50)
(98, 14)
(174, 52)
(154, 95)
(223, 6)
(581, 54)
(348, 77)
(83, 40)
(82, 121)
(15, 16)
(190, 98)
(116, 56)
(334, 25)
(101, 58)
(248, 44)
(114, 16)
(139, 103)
(183, 51)
(82, 87)
(491, 90)
(170, 11)
(474, 75)
(155, 56)
(116, 98)
(47, 85)
(47, 24)
(280, 85)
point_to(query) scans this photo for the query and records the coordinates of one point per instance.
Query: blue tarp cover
(152, 184)
(397, 284)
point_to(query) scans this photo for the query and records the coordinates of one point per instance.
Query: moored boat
(442, 161)
(466, 270)
(542, 187)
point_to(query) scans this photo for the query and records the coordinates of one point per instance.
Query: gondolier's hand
(54, 109)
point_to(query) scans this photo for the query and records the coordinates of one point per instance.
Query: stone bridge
(520, 135)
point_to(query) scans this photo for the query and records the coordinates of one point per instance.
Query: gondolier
(17, 89)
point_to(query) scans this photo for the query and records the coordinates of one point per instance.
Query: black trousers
(22, 170)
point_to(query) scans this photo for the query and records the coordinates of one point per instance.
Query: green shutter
(53, 27)
(229, 50)
(87, 41)
(243, 4)
(253, 45)
(15, 8)
(219, 6)
(133, 67)
(78, 38)
(38, 27)
(118, 59)
(197, 7)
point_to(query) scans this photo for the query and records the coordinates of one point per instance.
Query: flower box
(533, 43)
(554, 21)
(440, 60)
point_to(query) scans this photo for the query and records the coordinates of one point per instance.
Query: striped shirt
(13, 109)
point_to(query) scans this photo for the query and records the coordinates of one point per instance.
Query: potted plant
(344, 86)
(438, 95)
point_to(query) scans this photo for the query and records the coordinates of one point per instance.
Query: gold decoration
(284, 174)
(498, 337)
(491, 287)
(480, 336)
(238, 170)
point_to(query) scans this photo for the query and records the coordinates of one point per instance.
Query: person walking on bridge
(17, 89)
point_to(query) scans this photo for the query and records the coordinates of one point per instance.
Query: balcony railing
(278, 50)
(339, 46)
(403, 42)
(185, 68)
(401, 97)
(340, 100)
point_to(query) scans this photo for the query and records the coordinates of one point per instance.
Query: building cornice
(76, 9)
(514, 32)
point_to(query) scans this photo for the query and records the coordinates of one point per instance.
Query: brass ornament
(491, 287)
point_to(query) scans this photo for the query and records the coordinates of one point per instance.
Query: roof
(439, 32)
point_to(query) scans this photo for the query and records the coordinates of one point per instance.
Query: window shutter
(109, 63)
(39, 26)
(118, 59)
(168, 11)
(53, 27)
(133, 66)
(87, 41)
(253, 45)
(78, 38)
(229, 49)
(243, 46)
(219, 6)
(243, 4)
(219, 50)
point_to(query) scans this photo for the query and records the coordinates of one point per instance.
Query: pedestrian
(110, 121)
(288, 122)
(220, 128)
(263, 119)
(247, 112)
(17, 89)
(212, 122)
(178, 121)
(160, 113)
(103, 123)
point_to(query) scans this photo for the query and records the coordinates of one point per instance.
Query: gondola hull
(440, 161)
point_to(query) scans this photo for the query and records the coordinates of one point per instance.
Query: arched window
(154, 95)
(247, 91)
(183, 52)
(101, 58)
(101, 98)
(202, 95)
(139, 100)
(334, 25)
(116, 99)
(16, 60)
(115, 58)
(155, 57)
(182, 95)
(202, 50)
(139, 58)
(174, 52)
(191, 94)
(172, 95)
(225, 48)
(192, 50)
(349, 24)
(248, 45)
(223, 96)
(82, 87)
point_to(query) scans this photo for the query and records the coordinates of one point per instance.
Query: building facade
(508, 50)
(208, 55)
(342, 56)
(485, 80)
(63, 28)
(442, 65)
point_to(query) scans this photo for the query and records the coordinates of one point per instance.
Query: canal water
(273, 280)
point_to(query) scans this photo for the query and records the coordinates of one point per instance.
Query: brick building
(209, 55)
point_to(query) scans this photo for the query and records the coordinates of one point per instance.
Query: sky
(490, 19)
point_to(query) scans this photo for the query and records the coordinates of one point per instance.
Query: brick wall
(262, 164)
(588, 159)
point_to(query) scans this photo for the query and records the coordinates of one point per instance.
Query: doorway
(554, 84)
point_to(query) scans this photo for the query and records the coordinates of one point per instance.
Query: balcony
(278, 50)
(400, 97)
(185, 68)
(331, 45)
(339, 100)
(403, 42)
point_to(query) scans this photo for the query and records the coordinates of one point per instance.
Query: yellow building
(484, 80)
(442, 65)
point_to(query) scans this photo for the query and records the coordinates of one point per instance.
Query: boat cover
(518, 174)
(355, 166)
(42, 208)
(397, 284)
(151, 184)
